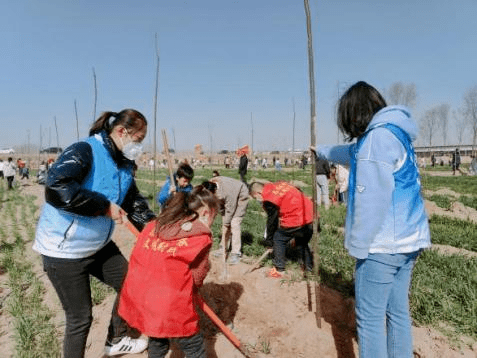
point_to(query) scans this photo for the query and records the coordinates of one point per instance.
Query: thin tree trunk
(77, 122)
(155, 123)
(315, 239)
(95, 96)
(57, 136)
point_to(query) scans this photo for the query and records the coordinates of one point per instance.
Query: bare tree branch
(469, 110)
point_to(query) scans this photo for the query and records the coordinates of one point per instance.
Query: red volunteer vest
(157, 294)
(295, 209)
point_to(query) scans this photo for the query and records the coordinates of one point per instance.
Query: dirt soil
(267, 315)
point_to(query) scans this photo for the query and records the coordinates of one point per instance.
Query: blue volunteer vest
(408, 205)
(67, 235)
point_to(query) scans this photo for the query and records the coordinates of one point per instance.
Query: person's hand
(172, 189)
(116, 213)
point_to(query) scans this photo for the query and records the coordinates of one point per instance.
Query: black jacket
(243, 165)
(63, 187)
(322, 167)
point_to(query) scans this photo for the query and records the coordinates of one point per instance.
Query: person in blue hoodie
(386, 224)
(182, 178)
(89, 188)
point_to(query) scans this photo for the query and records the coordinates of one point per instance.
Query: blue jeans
(382, 305)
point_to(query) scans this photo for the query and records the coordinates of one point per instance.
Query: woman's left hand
(116, 213)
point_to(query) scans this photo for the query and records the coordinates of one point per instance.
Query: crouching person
(167, 266)
(289, 216)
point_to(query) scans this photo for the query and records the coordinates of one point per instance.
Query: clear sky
(223, 64)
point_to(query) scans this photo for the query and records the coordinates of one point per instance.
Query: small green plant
(99, 291)
(470, 201)
(264, 345)
(442, 201)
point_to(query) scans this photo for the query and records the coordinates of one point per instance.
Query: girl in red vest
(167, 266)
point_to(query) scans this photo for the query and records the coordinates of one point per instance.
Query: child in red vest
(167, 266)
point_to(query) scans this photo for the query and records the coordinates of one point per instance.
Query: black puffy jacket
(64, 191)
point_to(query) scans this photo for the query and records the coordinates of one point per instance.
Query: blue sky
(223, 64)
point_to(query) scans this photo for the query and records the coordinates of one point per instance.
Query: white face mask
(133, 150)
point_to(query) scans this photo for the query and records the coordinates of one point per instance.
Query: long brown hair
(182, 205)
(128, 118)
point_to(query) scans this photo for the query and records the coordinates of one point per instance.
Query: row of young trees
(436, 120)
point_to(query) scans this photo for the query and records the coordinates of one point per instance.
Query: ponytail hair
(182, 205)
(128, 118)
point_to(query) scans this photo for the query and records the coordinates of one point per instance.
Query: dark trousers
(71, 280)
(192, 346)
(282, 237)
(10, 182)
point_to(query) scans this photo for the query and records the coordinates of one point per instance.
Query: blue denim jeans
(382, 305)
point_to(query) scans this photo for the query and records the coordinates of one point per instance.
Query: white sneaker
(126, 345)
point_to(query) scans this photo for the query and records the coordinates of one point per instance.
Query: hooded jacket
(385, 212)
(81, 184)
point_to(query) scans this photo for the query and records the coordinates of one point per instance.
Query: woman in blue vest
(386, 224)
(89, 188)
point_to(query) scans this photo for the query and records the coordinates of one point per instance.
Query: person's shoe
(234, 259)
(126, 345)
(273, 273)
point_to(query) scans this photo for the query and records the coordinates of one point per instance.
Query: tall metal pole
(311, 76)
